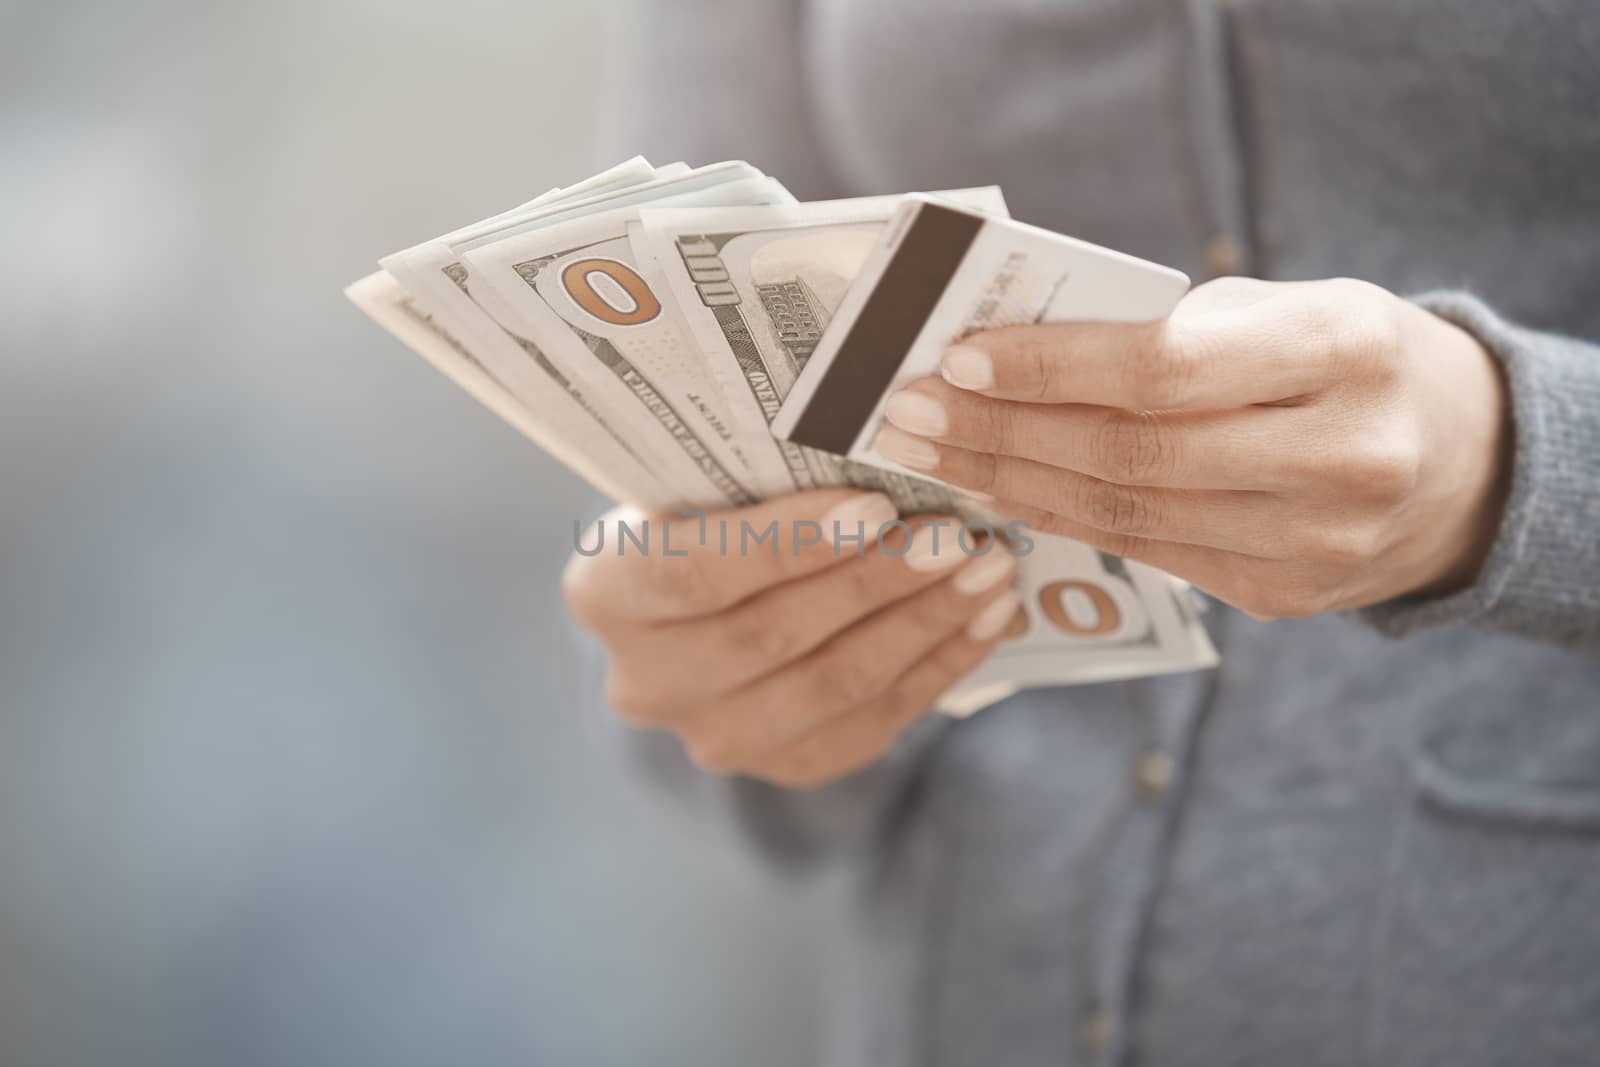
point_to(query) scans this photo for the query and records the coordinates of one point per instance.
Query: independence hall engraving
(797, 313)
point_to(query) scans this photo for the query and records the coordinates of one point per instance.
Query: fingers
(1184, 560)
(1220, 518)
(1249, 449)
(681, 664)
(644, 569)
(853, 668)
(851, 741)
(1204, 357)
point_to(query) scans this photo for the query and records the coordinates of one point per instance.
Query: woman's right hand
(796, 666)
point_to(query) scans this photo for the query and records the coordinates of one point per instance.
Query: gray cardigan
(1365, 840)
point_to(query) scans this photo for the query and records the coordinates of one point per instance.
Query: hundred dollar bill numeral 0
(637, 306)
(622, 305)
(1052, 601)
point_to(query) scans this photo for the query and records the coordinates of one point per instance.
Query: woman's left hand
(1292, 448)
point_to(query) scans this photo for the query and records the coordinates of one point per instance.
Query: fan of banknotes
(646, 327)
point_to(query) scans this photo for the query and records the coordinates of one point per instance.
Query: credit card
(939, 273)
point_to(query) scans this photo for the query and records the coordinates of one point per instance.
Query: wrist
(1478, 445)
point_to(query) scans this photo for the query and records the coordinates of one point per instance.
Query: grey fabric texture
(1381, 843)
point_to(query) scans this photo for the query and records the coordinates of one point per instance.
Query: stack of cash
(645, 327)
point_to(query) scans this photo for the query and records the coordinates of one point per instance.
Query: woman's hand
(789, 661)
(1292, 448)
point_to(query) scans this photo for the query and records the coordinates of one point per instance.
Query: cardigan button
(1154, 775)
(1095, 1032)
(1223, 256)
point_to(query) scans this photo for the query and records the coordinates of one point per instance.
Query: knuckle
(1376, 338)
(633, 704)
(1340, 300)
(1161, 370)
(982, 472)
(864, 581)
(1343, 546)
(1357, 320)
(1256, 601)
(803, 771)
(680, 581)
(1366, 346)
(930, 617)
(1254, 607)
(1125, 545)
(1251, 591)
(997, 428)
(1116, 508)
(1062, 526)
(713, 751)
(764, 637)
(821, 762)
(1036, 356)
(578, 590)
(1231, 288)
(1288, 603)
(1359, 297)
(1395, 472)
(1238, 582)
(1307, 600)
(1051, 523)
(952, 661)
(1132, 448)
(1281, 597)
(1386, 469)
(842, 681)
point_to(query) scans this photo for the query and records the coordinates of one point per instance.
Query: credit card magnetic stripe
(907, 292)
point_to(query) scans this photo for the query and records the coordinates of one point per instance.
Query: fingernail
(966, 367)
(867, 514)
(908, 451)
(985, 572)
(988, 623)
(917, 413)
(934, 548)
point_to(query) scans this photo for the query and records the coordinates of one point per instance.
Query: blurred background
(292, 766)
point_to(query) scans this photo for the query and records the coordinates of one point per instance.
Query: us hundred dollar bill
(436, 287)
(595, 456)
(581, 281)
(597, 320)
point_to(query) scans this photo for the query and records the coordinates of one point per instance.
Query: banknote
(598, 459)
(580, 280)
(1088, 616)
(435, 282)
(673, 446)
